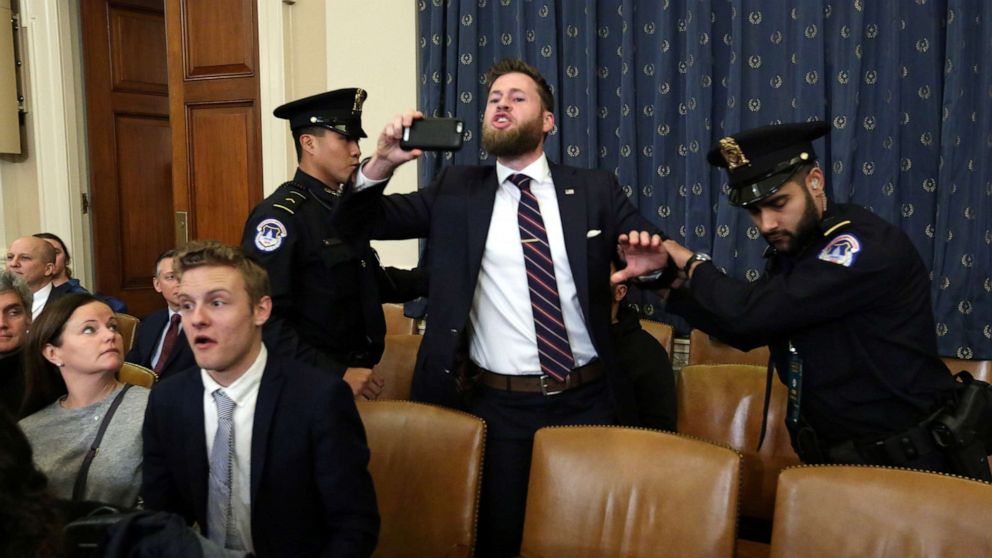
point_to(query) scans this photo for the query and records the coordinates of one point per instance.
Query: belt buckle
(545, 390)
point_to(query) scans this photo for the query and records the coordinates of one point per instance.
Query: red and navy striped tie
(552, 338)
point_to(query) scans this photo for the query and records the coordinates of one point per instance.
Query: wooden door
(214, 107)
(127, 110)
(174, 131)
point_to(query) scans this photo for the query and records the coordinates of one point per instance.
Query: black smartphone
(433, 134)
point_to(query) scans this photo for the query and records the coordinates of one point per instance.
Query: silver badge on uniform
(269, 235)
(842, 250)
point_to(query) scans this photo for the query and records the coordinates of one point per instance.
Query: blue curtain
(644, 87)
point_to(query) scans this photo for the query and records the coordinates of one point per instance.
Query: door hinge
(85, 203)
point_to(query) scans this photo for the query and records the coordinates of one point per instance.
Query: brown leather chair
(662, 332)
(427, 468)
(723, 403)
(127, 324)
(612, 491)
(396, 366)
(396, 322)
(878, 512)
(704, 349)
(980, 369)
(136, 374)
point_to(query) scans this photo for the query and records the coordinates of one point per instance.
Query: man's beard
(805, 229)
(522, 139)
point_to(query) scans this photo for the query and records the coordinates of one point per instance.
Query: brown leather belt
(545, 384)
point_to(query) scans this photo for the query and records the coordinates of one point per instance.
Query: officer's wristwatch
(695, 257)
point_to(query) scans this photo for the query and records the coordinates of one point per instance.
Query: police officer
(844, 307)
(328, 291)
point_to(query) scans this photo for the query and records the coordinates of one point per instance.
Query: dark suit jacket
(311, 493)
(454, 214)
(146, 340)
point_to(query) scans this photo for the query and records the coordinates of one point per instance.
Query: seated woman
(72, 355)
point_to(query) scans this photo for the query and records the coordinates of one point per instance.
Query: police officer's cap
(760, 160)
(339, 110)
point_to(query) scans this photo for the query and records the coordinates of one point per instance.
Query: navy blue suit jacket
(453, 213)
(150, 330)
(311, 492)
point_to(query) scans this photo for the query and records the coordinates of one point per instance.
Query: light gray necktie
(220, 527)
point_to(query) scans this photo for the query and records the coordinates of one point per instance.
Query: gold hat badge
(732, 154)
(360, 96)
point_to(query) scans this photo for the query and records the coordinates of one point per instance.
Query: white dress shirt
(40, 299)
(244, 392)
(502, 336)
(161, 337)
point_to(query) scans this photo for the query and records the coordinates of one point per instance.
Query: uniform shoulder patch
(269, 235)
(842, 250)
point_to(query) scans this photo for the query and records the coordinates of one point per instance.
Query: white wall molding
(272, 93)
(50, 37)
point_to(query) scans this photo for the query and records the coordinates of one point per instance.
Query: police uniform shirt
(326, 288)
(856, 305)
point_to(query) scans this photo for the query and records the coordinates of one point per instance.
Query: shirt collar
(243, 386)
(538, 171)
(316, 188)
(43, 292)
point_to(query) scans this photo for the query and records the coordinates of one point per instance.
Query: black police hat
(339, 110)
(760, 160)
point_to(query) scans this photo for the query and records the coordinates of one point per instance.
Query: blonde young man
(268, 455)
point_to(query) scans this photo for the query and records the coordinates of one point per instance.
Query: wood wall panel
(220, 38)
(144, 154)
(221, 147)
(133, 31)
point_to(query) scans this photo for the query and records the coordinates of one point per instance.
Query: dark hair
(212, 253)
(515, 65)
(43, 382)
(307, 130)
(65, 249)
(170, 253)
(29, 521)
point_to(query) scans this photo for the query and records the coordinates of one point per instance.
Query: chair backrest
(662, 332)
(127, 324)
(131, 373)
(397, 364)
(876, 512)
(614, 491)
(427, 466)
(980, 369)
(396, 322)
(723, 403)
(704, 349)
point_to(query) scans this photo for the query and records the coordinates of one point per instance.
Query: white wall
(375, 48)
(40, 190)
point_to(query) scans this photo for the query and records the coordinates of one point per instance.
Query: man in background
(646, 362)
(15, 319)
(33, 260)
(160, 342)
